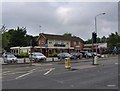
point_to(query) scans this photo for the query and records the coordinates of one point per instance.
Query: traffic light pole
(93, 50)
(96, 31)
(31, 54)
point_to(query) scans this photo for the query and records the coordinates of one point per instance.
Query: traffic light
(94, 37)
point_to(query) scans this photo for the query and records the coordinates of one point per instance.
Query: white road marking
(32, 70)
(111, 85)
(116, 63)
(49, 71)
(14, 73)
(23, 75)
(6, 72)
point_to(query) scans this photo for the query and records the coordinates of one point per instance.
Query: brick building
(49, 43)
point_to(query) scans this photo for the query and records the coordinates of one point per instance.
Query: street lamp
(96, 27)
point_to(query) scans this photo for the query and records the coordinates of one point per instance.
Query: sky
(77, 18)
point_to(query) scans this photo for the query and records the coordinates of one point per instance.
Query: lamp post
(96, 27)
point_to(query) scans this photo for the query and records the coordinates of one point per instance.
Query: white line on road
(6, 72)
(116, 63)
(49, 71)
(111, 85)
(23, 75)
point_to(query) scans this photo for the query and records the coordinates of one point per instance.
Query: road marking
(84, 67)
(6, 72)
(14, 73)
(111, 85)
(49, 71)
(116, 63)
(31, 71)
(23, 75)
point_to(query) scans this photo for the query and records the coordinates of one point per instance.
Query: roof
(61, 37)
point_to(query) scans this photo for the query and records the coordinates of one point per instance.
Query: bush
(24, 54)
(53, 54)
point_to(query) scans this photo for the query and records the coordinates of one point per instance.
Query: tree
(113, 40)
(67, 34)
(5, 40)
(14, 37)
(103, 39)
(17, 37)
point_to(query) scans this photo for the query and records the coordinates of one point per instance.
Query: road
(53, 75)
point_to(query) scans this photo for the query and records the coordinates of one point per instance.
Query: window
(50, 42)
(74, 42)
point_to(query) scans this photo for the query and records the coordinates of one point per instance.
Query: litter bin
(67, 63)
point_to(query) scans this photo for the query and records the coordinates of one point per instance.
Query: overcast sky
(57, 18)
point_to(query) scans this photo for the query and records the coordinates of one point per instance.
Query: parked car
(83, 53)
(77, 54)
(10, 58)
(86, 54)
(96, 54)
(6, 53)
(66, 55)
(38, 57)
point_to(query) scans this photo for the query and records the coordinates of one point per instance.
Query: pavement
(53, 75)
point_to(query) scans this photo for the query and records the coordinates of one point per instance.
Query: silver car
(10, 59)
(38, 57)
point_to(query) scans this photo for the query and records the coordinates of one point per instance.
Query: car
(66, 55)
(96, 54)
(86, 54)
(6, 53)
(83, 53)
(10, 58)
(77, 54)
(38, 57)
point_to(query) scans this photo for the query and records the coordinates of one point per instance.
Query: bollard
(52, 59)
(24, 60)
(95, 60)
(67, 63)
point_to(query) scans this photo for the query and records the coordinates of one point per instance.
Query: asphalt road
(53, 75)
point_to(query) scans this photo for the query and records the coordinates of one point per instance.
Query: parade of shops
(50, 43)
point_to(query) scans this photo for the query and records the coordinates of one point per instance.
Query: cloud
(60, 17)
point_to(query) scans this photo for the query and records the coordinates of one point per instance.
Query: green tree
(67, 34)
(5, 40)
(103, 39)
(17, 37)
(113, 40)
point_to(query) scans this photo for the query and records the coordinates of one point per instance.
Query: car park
(38, 57)
(10, 58)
